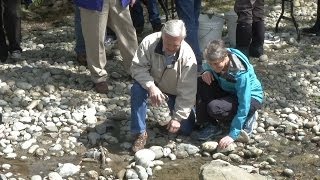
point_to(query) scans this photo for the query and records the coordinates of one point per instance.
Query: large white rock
(67, 169)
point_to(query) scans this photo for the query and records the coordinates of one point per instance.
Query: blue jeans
(137, 13)
(139, 97)
(189, 11)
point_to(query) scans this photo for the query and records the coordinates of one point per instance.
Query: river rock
(209, 146)
(218, 169)
(67, 169)
(158, 150)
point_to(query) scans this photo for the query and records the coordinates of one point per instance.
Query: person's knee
(214, 109)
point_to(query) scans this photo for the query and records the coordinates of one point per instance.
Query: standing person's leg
(258, 29)
(94, 25)
(3, 44)
(136, 12)
(315, 29)
(243, 8)
(12, 25)
(154, 15)
(139, 97)
(188, 11)
(120, 22)
(80, 47)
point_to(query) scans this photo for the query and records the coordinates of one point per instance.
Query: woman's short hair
(175, 28)
(215, 50)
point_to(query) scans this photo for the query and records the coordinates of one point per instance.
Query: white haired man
(165, 70)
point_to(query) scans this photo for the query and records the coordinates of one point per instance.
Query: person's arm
(243, 88)
(186, 90)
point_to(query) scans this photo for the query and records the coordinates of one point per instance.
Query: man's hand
(173, 126)
(156, 96)
(225, 142)
(207, 77)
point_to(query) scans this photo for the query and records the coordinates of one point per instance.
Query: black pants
(10, 24)
(218, 106)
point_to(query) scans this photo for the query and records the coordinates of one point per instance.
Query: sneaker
(270, 38)
(209, 132)
(139, 142)
(102, 87)
(16, 54)
(248, 127)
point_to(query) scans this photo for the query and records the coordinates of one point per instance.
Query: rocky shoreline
(55, 126)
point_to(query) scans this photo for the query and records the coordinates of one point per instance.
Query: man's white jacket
(179, 78)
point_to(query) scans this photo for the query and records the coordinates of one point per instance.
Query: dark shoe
(157, 27)
(209, 131)
(102, 87)
(139, 142)
(315, 29)
(16, 54)
(82, 59)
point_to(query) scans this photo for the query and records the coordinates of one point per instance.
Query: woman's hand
(225, 142)
(207, 77)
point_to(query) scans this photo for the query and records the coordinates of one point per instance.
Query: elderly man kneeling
(165, 70)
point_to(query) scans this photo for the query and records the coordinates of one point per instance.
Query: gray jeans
(249, 11)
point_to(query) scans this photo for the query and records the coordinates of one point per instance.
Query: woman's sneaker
(209, 131)
(16, 54)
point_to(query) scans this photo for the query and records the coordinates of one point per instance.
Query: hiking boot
(248, 127)
(139, 142)
(102, 87)
(209, 131)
